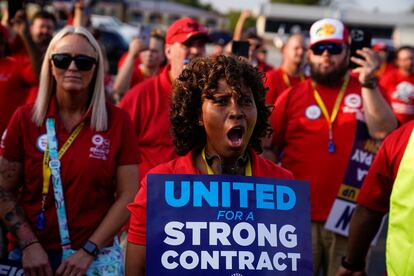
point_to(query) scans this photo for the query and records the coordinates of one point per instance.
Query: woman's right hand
(35, 261)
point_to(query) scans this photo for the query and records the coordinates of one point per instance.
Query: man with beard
(290, 71)
(148, 102)
(42, 28)
(318, 123)
(33, 40)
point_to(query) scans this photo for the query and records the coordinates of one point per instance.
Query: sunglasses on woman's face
(82, 62)
(332, 48)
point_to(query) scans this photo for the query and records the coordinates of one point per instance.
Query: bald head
(293, 52)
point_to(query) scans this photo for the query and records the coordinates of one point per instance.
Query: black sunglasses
(332, 48)
(82, 62)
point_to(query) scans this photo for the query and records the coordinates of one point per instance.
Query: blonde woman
(73, 149)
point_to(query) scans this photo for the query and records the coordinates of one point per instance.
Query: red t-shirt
(16, 79)
(277, 84)
(301, 132)
(88, 171)
(148, 105)
(185, 165)
(399, 90)
(385, 69)
(376, 190)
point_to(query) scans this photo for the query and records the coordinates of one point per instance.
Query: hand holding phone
(367, 64)
(240, 48)
(144, 35)
(359, 39)
(12, 7)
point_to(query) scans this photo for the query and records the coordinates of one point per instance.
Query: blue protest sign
(11, 268)
(227, 225)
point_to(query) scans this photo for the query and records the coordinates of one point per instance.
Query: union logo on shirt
(313, 112)
(404, 92)
(353, 100)
(41, 142)
(100, 148)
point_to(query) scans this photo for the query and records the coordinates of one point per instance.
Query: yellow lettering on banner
(372, 146)
(348, 192)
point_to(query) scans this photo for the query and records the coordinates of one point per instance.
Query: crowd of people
(75, 135)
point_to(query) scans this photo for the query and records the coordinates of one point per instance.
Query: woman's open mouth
(235, 136)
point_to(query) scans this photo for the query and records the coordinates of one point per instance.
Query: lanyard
(248, 171)
(47, 171)
(287, 80)
(331, 119)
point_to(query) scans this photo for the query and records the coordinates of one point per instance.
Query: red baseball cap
(185, 28)
(380, 46)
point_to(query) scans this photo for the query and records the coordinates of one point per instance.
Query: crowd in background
(319, 109)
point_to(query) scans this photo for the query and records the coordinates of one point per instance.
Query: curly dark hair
(200, 80)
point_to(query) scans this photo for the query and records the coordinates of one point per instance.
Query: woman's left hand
(77, 264)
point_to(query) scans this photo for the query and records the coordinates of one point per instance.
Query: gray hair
(99, 119)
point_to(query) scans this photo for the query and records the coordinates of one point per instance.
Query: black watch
(90, 248)
(371, 84)
(354, 267)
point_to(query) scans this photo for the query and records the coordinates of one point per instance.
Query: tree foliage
(196, 4)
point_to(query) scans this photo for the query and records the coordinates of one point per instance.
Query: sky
(370, 5)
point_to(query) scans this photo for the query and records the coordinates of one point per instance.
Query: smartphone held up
(359, 39)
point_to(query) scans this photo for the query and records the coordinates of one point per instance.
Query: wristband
(355, 267)
(27, 244)
(371, 84)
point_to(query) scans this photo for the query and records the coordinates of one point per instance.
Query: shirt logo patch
(353, 101)
(313, 112)
(100, 148)
(41, 142)
(3, 138)
(404, 92)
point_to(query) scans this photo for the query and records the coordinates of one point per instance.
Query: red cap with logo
(328, 30)
(185, 28)
(380, 46)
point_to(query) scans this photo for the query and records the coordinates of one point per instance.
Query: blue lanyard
(54, 165)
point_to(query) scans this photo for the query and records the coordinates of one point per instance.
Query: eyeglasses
(332, 48)
(82, 62)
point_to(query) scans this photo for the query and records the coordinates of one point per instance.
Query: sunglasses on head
(82, 62)
(332, 48)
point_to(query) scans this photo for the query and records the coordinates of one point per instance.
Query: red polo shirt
(185, 165)
(376, 191)
(301, 132)
(277, 84)
(16, 79)
(148, 104)
(399, 90)
(88, 171)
